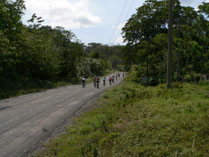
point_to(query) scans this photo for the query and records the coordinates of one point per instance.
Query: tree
(149, 24)
(111, 53)
(10, 21)
(11, 28)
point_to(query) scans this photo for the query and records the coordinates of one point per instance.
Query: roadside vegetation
(17, 88)
(35, 57)
(132, 120)
(146, 34)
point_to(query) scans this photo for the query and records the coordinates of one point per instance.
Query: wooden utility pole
(178, 58)
(170, 45)
(147, 71)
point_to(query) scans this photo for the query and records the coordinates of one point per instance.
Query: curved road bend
(26, 120)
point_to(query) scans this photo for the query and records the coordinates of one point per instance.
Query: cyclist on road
(113, 79)
(83, 82)
(98, 80)
(104, 81)
(110, 81)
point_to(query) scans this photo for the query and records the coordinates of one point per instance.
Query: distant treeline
(36, 52)
(146, 34)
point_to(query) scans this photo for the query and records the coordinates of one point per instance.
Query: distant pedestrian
(123, 75)
(110, 81)
(98, 80)
(116, 77)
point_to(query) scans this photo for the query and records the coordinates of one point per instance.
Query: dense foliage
(112, 53)
(146, 37)
(36, 52)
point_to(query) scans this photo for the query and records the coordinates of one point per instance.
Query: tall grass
(135, 121)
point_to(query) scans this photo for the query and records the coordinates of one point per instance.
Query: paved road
(26, 120)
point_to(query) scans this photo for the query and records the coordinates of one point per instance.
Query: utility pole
(178, 66)
(170, 44)
(178, 60)
(147, 70)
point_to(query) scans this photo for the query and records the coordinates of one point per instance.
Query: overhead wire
(118, 20)
(124, 19)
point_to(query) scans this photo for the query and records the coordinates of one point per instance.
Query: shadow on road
(3, 108)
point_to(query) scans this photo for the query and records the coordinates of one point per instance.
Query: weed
(135, 121)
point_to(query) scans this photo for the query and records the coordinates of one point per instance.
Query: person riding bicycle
(113, 79)
(110, 81)
(83, 82)
(98, 80)
(104, 81)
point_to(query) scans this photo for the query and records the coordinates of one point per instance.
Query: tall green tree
(149, 25)
(10, 35)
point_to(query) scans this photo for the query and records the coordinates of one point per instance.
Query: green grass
(135, 121)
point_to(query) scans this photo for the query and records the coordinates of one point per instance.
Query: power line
(124, 20)
(118, 20)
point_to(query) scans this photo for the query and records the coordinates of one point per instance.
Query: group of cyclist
(96, 82)
(111, 80)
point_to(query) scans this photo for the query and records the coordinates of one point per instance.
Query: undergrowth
(11, 88)
(16, 87)
(135, 121)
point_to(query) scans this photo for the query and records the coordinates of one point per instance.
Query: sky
(97, 21)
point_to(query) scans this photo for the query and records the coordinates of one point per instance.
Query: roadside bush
(190, 77)
(138, 75)
(93, 67)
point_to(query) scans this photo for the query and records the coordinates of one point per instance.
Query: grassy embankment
(135, 121)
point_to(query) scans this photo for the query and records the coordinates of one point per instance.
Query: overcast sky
(90, 20)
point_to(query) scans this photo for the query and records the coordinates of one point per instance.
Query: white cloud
(186, 2)
(192, 3)
(119, 27)
(70, 14)
(117, 39)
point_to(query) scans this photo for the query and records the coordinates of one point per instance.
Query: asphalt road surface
(26, 120)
